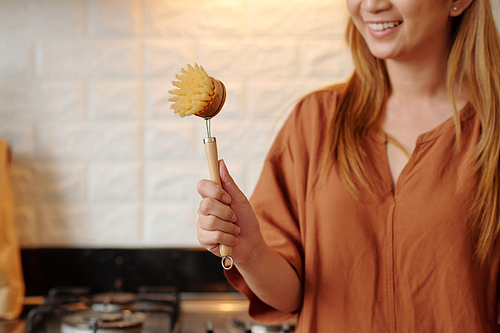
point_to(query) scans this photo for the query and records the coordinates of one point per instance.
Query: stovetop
(205, 302)
(77, 310)
(213, 312)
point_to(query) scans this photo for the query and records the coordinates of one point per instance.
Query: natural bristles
(194, 93)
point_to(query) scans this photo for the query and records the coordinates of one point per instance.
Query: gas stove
(125, 292)
(149, 310)
(77, 310)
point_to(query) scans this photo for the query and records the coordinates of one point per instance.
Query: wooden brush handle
(213, 168)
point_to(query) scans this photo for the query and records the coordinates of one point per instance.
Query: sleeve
(279, 199)
(275, 205)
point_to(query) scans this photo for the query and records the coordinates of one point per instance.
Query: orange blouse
(399, 261)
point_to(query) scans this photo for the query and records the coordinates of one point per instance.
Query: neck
(418, 80)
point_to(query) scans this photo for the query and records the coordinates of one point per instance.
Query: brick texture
(99, 159)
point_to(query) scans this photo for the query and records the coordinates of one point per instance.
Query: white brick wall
(99, 159)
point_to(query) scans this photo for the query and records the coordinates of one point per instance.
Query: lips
(381, 26)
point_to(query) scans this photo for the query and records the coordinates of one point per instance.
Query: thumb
(240, 205)
(229, 185)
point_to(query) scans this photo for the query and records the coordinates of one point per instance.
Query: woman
(377, 208)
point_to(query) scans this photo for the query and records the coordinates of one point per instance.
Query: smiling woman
(395, 29)
(378, 206)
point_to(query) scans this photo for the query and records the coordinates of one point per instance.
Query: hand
(226, 217)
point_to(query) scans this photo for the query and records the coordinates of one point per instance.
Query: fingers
(212, 240)
(212, 207)
(208, 189)
(222, 212)
(212, 223)
(217, 232)
(227, 193)
(212, 230)
(215, 223)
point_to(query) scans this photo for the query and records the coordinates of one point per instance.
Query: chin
(383, 54)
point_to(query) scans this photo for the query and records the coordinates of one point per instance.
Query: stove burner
(112, 301)
(68, 295)
(251, 327)
(103, 322)
(77, 310)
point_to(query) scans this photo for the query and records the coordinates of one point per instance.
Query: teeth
(383, 26)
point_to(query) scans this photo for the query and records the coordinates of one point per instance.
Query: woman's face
(404, 29)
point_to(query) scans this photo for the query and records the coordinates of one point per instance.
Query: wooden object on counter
(11, 276)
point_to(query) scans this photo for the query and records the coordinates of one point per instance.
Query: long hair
(360, 109)
(473, 66)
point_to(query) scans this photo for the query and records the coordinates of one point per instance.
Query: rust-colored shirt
(399, 261)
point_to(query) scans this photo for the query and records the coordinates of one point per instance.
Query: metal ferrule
(209, 139)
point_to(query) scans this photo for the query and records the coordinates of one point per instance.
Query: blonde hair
(473, 66)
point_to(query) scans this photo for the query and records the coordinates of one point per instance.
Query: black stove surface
(212, 312)
(77, 310)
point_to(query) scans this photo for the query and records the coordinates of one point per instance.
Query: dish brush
(198, 94)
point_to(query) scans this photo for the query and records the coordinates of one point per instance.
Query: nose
(375, 6)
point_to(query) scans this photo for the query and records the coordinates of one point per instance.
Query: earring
(454, 8)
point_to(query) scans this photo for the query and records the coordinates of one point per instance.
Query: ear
(459, 6)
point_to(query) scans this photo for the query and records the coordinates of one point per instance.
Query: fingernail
(226, 199)
(234, 218)
(238, 230)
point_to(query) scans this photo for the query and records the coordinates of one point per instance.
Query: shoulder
(306, 128)
(321, 100)
(313, 113)
(314, 110)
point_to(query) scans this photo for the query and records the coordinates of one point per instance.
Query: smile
(383, 26)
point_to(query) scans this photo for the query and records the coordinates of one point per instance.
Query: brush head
(197, 93)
